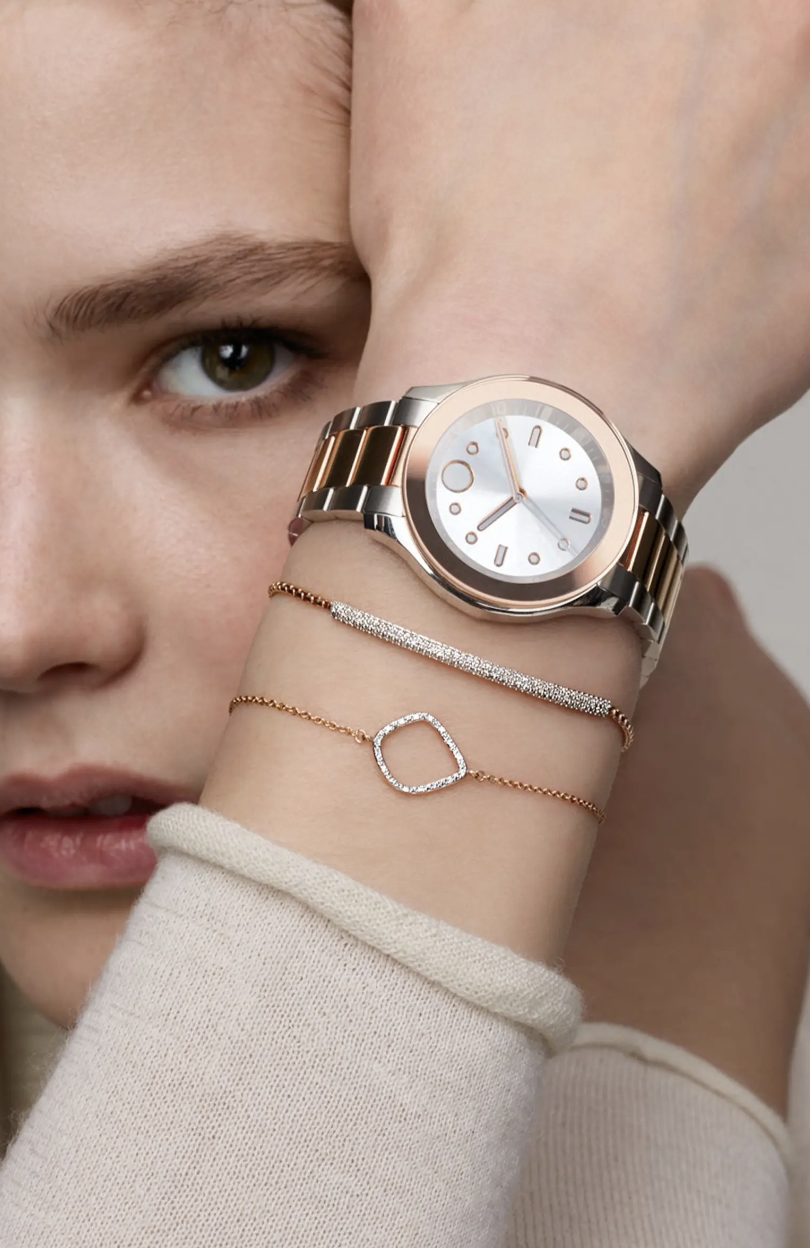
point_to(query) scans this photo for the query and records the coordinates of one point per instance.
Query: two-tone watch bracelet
(417, 643)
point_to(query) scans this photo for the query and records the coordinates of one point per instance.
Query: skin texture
(137, 535)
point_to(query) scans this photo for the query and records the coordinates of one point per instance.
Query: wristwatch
(512, 497)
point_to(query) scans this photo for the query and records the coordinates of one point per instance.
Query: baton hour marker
(500, 555)
(584, 517)
(534, 437)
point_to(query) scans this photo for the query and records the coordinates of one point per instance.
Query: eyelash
(298, 388)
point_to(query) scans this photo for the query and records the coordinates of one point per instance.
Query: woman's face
(180, 311)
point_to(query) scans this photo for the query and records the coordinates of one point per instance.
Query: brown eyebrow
(215, 268)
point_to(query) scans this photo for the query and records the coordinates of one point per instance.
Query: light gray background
(751, 522)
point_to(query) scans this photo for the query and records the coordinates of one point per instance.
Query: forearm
(502, 864)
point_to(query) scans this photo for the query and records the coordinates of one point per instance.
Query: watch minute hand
(509, 462)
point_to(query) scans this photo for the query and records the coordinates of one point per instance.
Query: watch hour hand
(497, 513)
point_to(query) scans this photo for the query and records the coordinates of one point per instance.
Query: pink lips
(95, 852)
(80, 850)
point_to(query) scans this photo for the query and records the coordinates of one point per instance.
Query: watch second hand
(497, 513)
(540, 515)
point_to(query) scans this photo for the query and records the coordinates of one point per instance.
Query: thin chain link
(295, 591)
(626, 727)
(252, 699)
(363, 738)
(522, 787)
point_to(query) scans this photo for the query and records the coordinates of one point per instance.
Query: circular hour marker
(457, 476)
(534, 558)
(472, 538)
(563, 543)
(582, 484)
(455, 509)
(472, 448)
(565, 453)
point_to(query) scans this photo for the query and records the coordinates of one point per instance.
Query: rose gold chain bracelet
(462, 769)
(521, 682)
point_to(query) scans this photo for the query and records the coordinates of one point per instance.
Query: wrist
(505, 865)
(441, 332)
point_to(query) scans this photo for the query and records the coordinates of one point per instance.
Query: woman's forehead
(140, 126)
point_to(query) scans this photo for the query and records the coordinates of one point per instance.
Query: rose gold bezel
(487, 591)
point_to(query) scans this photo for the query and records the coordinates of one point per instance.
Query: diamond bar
(545, 690)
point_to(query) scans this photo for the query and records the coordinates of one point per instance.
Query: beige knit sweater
(279, 1055)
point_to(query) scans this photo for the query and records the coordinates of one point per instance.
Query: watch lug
(432, 394)
(644, 468)
(390, 528)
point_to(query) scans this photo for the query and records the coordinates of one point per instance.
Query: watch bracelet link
(356, 472)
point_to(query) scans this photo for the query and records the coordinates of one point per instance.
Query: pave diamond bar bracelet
(462, 771)
(397, 635)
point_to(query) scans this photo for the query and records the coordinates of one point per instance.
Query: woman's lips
(81, 852)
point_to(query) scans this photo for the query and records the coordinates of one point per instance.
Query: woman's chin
(54, 945)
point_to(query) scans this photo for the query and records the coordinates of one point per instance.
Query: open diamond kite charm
(419, 717)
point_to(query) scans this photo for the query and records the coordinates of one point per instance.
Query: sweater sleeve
(638, 1143)
(277, 1054)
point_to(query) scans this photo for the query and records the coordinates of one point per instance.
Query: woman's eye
(226, 366)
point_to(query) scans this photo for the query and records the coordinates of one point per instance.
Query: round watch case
(472, 586)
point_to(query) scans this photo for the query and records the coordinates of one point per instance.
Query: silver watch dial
(520, 490)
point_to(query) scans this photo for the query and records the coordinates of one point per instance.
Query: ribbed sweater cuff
(488, 975)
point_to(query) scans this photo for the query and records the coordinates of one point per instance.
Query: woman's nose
(68, 612)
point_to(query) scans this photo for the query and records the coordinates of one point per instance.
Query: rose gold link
(398, 467)
(344, 458)
(641, 543)
(656, 561)
(295, 591)
(668, 607)
(316, 468)
(626, 727)
(379, 453)
(668, 570)
(254, 699)
(522, 787)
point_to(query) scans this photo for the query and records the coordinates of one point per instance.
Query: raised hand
(613, 197)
